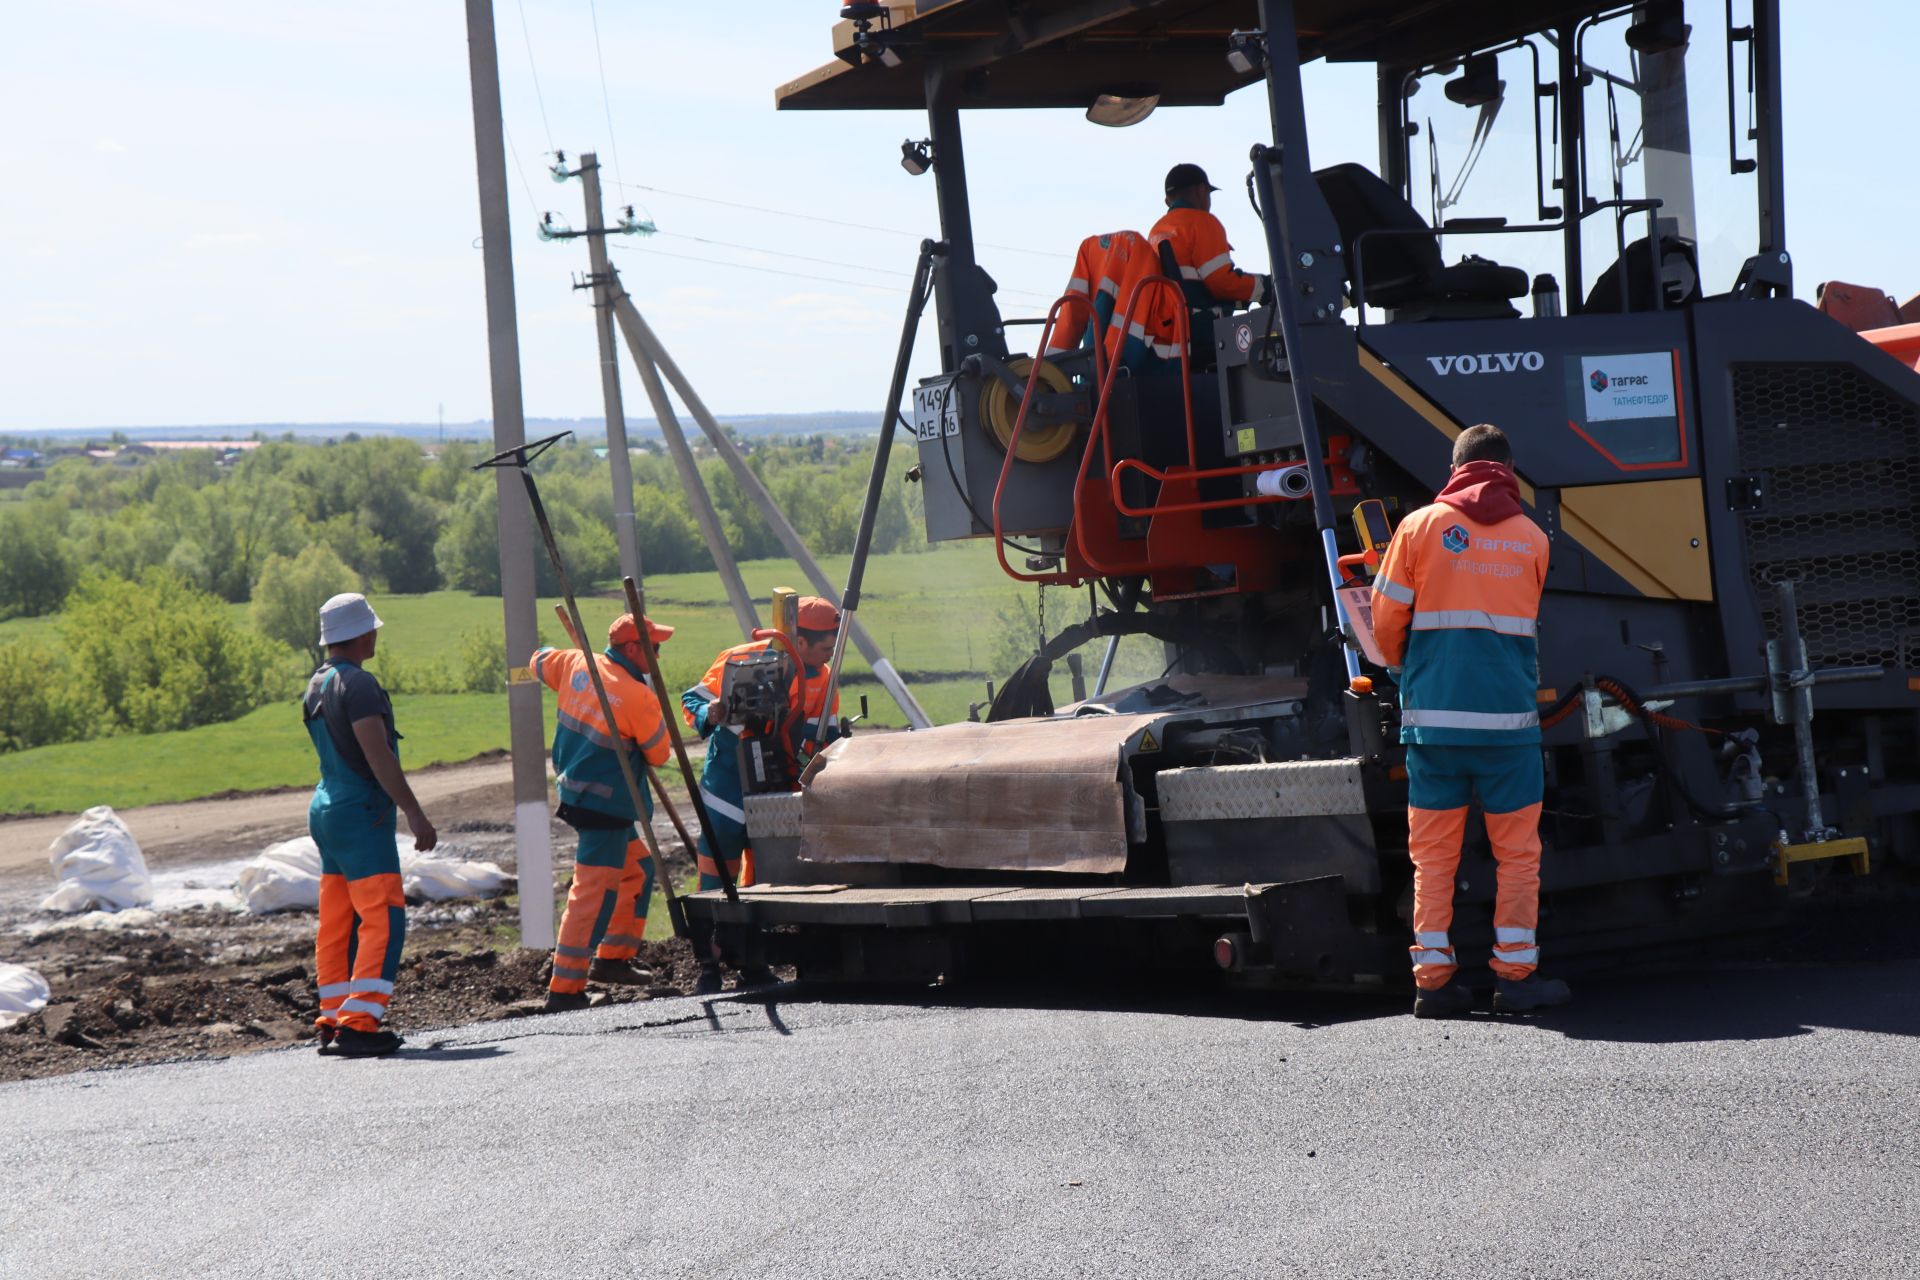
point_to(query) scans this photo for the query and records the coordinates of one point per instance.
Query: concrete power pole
(533, 841)
(648, 352)
(617, 460)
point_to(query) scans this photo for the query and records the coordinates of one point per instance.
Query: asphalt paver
(1750, 1121)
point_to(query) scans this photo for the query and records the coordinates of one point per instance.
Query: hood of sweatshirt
(1484, 492)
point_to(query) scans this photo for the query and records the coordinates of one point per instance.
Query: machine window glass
(1650, 113)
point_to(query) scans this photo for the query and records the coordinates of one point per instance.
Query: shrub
(482, 661)
(163, 655)
(35, 573)
(289, 592)
(40, 701)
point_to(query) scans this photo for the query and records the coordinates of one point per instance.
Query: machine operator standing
(1455, 606)
(803, 719)
(363, 910)
(613, 874)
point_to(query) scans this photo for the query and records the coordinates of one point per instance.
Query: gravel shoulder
(233, 826)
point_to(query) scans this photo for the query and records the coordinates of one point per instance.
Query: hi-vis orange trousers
(606, 912)
(1441, 783)
(363, 913)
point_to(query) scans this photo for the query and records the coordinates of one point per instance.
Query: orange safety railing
(1085, 530)
(1020, 422)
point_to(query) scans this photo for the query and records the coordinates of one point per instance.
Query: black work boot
(623, 973)
(349, 1043)
(759, 975)
(1447, 1001)
(565, 1001)
(323, 1038)
(1529, 993)
(709, 982)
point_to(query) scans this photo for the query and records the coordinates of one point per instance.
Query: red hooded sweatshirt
(1485, 492)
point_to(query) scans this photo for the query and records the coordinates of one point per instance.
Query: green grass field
(264, 749)
(932, 613)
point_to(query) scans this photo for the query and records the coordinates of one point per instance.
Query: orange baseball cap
(815, 614)
(624, 632)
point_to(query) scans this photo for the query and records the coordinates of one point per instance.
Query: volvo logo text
(1489, 362)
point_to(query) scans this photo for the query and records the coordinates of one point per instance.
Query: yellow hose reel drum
(1001, 408)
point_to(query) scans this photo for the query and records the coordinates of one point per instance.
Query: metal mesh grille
(1838, 457)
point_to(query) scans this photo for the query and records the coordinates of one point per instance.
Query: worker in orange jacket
(1200, 242)
(1455, 608)
(722, 777)
(1139, 322)
(363, 909)
(613, 874)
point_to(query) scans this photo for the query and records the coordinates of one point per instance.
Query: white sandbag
(22, 991)
(287, 877)
(98, 864)
(282, 877)
(438, 879)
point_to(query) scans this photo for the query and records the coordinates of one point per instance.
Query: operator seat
(1202, 308)
(1627, 285)
(1404, 272)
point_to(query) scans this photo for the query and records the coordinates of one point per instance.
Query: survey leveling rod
(877, 478)
(637, 606)
(520, 459)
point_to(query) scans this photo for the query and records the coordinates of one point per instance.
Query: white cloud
(222, 239)
(108, 147)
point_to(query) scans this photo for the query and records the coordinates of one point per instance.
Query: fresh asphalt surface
(1753, 1120)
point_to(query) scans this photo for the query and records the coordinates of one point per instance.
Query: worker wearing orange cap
(606, 914)
(722, 779)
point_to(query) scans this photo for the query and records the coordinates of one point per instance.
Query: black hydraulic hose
(1651, 721)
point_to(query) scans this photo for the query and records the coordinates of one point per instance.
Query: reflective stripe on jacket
(1107, 269)
(1456, 605)
(588, 772)
(1200, 247)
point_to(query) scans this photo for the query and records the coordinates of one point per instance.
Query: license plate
(931, 417)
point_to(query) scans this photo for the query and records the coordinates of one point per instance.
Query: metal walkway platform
(908, 907)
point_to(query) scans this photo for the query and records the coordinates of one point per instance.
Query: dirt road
(207, 830)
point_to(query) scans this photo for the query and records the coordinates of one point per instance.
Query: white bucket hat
(347, 617)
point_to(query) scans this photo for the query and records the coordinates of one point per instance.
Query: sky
(229, 213)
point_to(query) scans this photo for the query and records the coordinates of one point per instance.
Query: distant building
(179, 446)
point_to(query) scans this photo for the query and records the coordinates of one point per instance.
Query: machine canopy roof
(1061, 53)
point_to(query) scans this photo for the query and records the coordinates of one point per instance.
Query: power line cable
(539, 97)
(780, 253)
(606, 103)
(814, 217)
(776, 253)
(775, 271)
(749, 266)
(533, 206)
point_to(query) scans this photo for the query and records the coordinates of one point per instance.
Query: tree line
(139, 561)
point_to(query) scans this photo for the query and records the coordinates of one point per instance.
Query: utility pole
(617, 459)
(607, 296)
(647, 350)
(695, 488)
(532, 835)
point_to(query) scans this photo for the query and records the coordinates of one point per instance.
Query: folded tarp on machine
(1018, 795)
